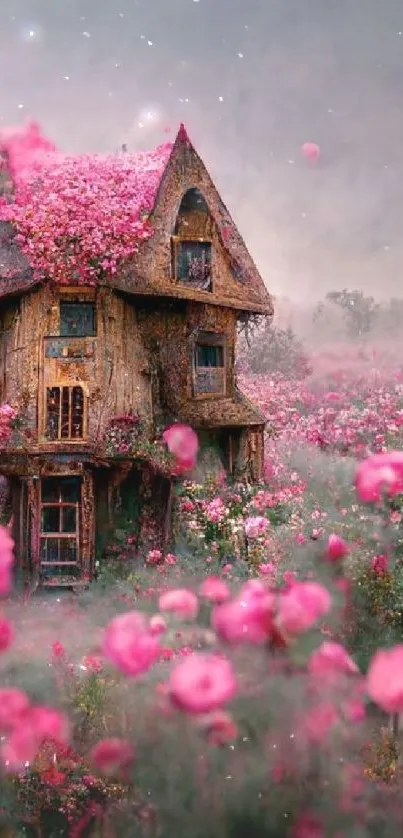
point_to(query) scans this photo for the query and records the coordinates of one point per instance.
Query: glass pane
(50, 550)
(52, 412)
(210, 356)
(50, 489)
(68, 519)
(70, 489)
(65, 423)
(77, 320)
(194, 263)
(50, 519)
(68, 550)
(77, 410)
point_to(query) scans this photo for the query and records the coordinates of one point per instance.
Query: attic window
(77, 320)
(192, 263)
(193, 201)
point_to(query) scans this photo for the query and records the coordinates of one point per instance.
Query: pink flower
(385, 679)
(13, 705)
(202, 683)
(20, 748)
(248, 618)
(180, 601)
(58, 650)
(214, 589)
(170, 559)
(154, 557)
(183, 443)
(307, 826)
(48, 723)
(331, 657)
(379, 564)
(129, 644)
(219, 727)
(6, 561)
(6, 634)
(157, 624)
(301, 606)
(336, 548)
(266, 568)
(378, 475)
(255, 527)
(110, 756)
(93, 663)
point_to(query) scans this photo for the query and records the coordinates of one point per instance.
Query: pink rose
(110, 756)
(331, 657)
(378, 475)
(214, 589)
(180, 601)
(183, 443)
(385, 679)
(336, 548)
(202, 683)
(301, 606)
(129, 644)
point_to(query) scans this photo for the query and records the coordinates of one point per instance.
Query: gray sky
(252, 80)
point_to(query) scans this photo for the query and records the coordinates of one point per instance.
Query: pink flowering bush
(77, 218)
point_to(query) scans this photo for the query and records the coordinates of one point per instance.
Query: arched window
(65, 413)
(191, 243)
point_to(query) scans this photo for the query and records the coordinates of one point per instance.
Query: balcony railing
(209, 381)
(69, 349)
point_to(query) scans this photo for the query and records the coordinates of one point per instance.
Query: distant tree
(271, 349)
(360, 311)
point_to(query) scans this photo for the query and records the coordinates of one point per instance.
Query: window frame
(176, 243)
(70, 438)
(60, 536)
(75, 301)
(207, 338)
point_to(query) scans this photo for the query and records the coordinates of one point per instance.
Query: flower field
(243, 682)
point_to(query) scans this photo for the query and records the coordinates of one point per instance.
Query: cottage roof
(228, 412)
(86, 220)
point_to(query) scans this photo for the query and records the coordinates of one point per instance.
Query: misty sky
(253, 80)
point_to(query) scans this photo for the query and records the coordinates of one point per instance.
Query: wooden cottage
(92, 367)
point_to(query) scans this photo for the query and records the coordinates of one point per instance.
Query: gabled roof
(152, 176)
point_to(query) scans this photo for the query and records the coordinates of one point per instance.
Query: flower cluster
(78, 218)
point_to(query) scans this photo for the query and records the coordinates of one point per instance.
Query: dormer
(192, 243)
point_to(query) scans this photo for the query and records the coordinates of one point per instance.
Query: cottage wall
(114, 370)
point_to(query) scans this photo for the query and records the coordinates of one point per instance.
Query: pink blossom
(110, 756)
(6, 560)
(65, 230)
(331, 657)
(157, 624)
(214, 589)
(385, 679)
(58, 650)
(219, 727)
(48, 723)
(248, 618)
(301, 606)
(379, 564)
(183, 443)
(202, 683)
(180, 601)
(266, 568)
(307, 826)
(6, 634)
(154, 557)
(33, 727)
(170, 559)
(129, 644)
(255, 527)
(336, 548)
(13, 705)
(381, 473)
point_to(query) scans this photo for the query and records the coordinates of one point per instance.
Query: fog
(253, 80)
